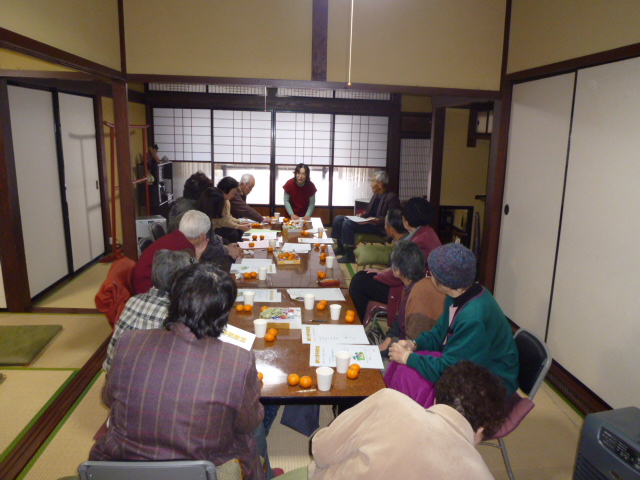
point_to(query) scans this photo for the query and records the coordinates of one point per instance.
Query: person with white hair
(190, 236)
(239, 207)
(344, 230)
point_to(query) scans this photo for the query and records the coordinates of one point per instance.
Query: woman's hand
(399, 352)
(245, 227)
(295, 217)
(306, 218)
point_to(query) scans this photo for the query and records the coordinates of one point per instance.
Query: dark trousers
(365, 288)
(344, 230)
(231, 235)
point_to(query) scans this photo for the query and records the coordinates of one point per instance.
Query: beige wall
(239, 38)
(88, 29)
(16, 61)
(439, 43)
(549, 31)
(464, 170)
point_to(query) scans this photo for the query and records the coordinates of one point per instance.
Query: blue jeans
(344, 230)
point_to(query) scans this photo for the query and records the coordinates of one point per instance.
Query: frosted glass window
(415, 168)
(241, 136)
(360, 141)
(351, 184)
(303, 138)
(183, 134)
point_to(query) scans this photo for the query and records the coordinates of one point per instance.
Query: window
(303, 138)
(361, 141)
(415, 168)
(241, 136)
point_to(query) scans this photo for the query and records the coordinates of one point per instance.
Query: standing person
(472, 327)
(193, 188)
(180, 392)
(227, 226)
(383, 286)
(239, 207)
(300, 194)
(344, 230)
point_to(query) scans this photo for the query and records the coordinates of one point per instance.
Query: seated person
(190, 236)
(149, 310)
(193, 188)
(344, 230)
(211, 203)
(394, 228)
(472, 327)
(383, 286)
(300, 194)
(239, 207)
(421, 305)
(388, 435)
(227, 226)
(180, 392)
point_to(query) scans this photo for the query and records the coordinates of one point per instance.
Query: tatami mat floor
(543, 447)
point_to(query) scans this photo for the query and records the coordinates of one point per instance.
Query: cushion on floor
(20, 344)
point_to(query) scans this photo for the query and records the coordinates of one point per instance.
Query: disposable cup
(335, 311)
(320, 231)
(324, 376)
(272, 243)
(342, 361)
(260, 327)
(248, 297)
(277, 215)
(309, 301)
(262, 273)
(329, 261)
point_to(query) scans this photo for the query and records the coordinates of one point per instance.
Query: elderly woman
(420, 304)
(193, 188)
(300, 194)
(383, 286)
(472, 327)
(227, 226)
(180, 392)
(344, 230)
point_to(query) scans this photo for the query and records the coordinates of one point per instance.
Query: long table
(287, 354)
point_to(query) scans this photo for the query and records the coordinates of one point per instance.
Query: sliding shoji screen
(415, 168)
(361, 141)
(183, 135)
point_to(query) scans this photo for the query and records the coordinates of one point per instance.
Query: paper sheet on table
(257, 262)
(256, 244)
(284, 317)
(267, 295)
(324, 355)
(334, 334)
(244, 267)
(353, 218)
(328, 294)
(248, 220)
(268, 234)
(237, 336)
(296, 247)
(315, 240)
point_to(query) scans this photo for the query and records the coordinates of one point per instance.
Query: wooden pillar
(319, 35)
(12, 253)
(125, 176)
(393, 156)
(438, 122)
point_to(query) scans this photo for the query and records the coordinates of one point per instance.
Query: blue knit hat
(453, 265)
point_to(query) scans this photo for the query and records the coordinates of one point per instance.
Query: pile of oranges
(354, 371)
(249, 275)
(322, 304)
(304, 381)
(287, 256)
(350, 316)
(271, 335)
(304, 233)
(244, 308)
(255, 225)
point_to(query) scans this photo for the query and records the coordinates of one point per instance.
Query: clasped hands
(399, 351)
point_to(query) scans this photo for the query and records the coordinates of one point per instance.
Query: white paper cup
(248, 297)
(272, 242)
(335, 311)
(324, 376)
(330, 261)
(277, 215)
(342, 361)
(309, 301)
(260, 327)
(320, 231)
(262, 273)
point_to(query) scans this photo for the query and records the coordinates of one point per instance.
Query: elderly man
(190, 236)
(381, 202)
(239, 207)
(149, 310)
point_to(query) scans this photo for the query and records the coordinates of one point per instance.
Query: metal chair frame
(171, 470)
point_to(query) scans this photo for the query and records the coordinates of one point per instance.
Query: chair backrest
(157, 231)
(535, 360)
(173, 470)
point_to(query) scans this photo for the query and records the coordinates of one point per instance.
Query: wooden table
(287, 354)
